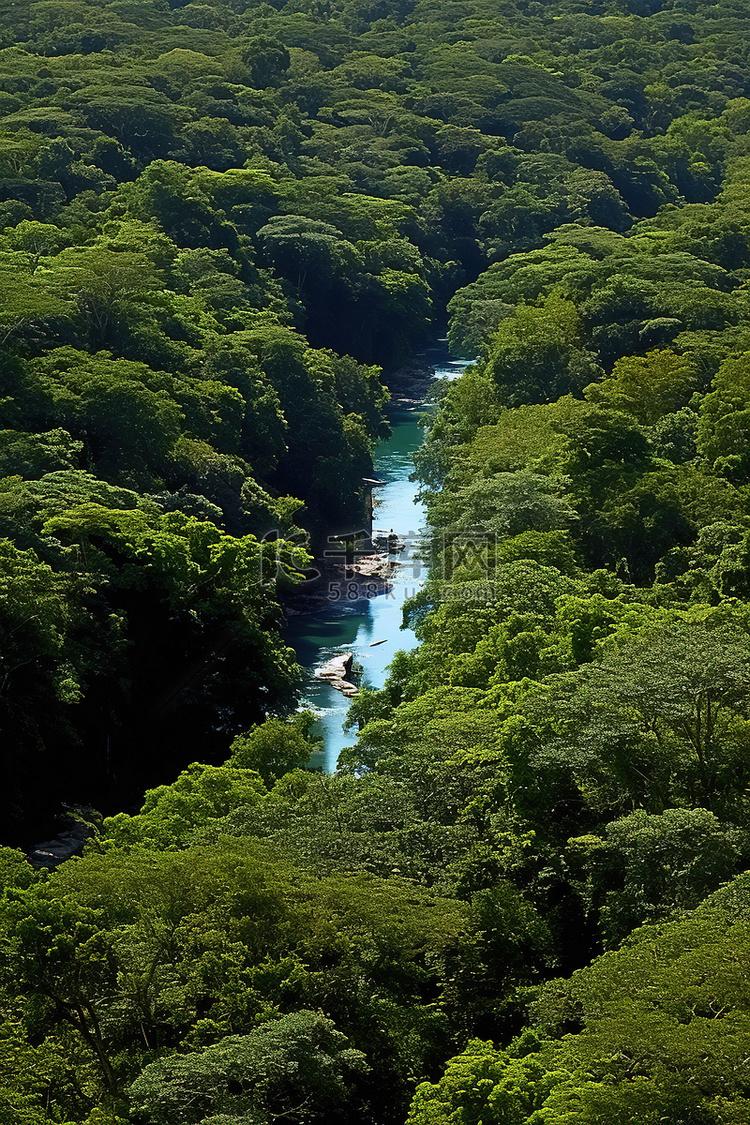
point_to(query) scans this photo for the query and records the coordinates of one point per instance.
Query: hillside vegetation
(522, 899)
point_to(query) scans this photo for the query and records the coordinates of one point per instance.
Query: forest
(523, 898)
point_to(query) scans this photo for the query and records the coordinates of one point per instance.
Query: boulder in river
(336, 670)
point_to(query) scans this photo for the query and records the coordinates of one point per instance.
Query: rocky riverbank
(411, 384)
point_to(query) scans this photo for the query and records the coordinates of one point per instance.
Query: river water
(369, 628)
(343, 626)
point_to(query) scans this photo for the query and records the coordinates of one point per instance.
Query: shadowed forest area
(524, 896)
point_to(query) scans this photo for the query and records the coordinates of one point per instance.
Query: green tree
(646, 1043)
(276, 747)
(724, 418)
(298, 1067)
(266, 58)
(660, 719)
(653, 866)
(647, 386)
(171, 813)
(123, 411)
(63, 954)
(536, 354)
(40, 674)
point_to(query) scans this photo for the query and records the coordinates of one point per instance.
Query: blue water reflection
(370, 629)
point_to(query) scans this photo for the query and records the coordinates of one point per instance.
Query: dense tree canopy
(223, 228)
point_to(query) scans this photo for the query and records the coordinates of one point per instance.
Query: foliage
(276, 747)
(222, 228)
(297, 1066)
(646, 1040)
(132, 956)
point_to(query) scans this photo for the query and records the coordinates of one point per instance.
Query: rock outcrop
(335, 672)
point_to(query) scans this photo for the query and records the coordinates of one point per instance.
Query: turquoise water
(369, 628)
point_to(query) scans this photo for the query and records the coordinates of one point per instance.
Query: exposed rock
(51, 852)
(365, 577)
(409, 385)
(345, 687)
(373, 566)
(336, 670)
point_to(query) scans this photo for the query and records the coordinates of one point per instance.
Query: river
(370, 628)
